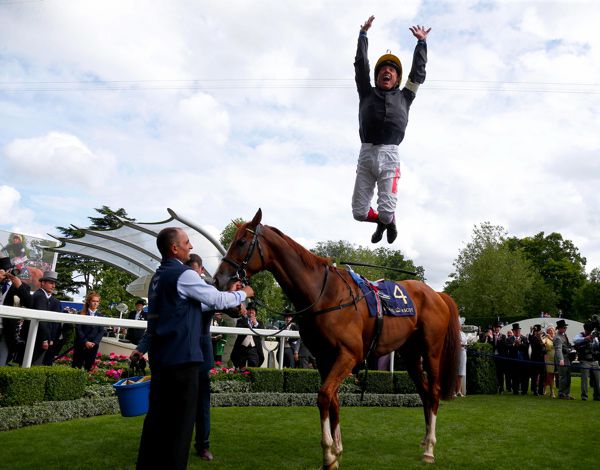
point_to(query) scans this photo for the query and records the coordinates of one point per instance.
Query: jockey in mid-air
(383, 116)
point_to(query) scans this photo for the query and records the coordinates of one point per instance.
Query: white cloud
(215, 113)
(58, 159)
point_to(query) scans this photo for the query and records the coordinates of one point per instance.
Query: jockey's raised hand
(419, 32)
(365, 27)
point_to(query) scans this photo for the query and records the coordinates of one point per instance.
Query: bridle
(240, 268)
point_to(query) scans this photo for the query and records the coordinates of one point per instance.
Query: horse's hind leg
(416, 372)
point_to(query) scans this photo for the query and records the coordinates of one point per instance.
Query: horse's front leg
(329, 407)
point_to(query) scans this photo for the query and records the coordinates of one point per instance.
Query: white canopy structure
(132, 248)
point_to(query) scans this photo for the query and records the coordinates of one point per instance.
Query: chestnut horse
(334, 323)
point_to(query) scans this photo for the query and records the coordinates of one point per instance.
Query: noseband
(240, 268)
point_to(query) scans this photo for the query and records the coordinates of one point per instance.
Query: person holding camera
(586, 344)
(13, 293)
(562, 348)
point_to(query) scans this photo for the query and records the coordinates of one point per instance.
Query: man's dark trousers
(169, 424)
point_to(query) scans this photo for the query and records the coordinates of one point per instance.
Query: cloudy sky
(215, 109)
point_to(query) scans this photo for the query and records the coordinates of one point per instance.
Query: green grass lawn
(475, 432)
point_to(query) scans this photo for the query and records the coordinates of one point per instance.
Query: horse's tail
(451, 354)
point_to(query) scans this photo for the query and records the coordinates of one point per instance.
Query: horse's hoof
(332, 466)
(428, 459)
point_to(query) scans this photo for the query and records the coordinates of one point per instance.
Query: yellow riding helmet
(389, 59)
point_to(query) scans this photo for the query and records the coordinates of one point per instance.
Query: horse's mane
(309, 259)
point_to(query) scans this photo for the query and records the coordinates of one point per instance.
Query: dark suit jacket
(11, 325)
(92, 333)
(135, 334)
(47, 331)
(243, 323)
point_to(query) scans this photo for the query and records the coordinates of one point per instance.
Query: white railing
(35, 316)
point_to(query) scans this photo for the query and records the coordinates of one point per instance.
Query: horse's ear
(257, 218)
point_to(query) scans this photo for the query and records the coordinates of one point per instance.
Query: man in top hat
(13, 293)
(135, 334)
(588, 361)
(498, 342)
(48, 332)
(538, 366)
(383, 116)
(562, 346)
(518, 353)
(248, 349)
(291, 345)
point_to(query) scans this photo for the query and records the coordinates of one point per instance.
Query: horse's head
(244, 257)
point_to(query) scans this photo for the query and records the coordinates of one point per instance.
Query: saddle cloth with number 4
(385, 297)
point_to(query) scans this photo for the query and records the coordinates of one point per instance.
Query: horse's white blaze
(327, 442)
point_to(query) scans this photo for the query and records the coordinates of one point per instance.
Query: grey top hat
(49, 276)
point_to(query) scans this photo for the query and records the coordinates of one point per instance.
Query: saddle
(385, 297)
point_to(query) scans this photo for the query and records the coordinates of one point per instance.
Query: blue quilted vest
(174, 322)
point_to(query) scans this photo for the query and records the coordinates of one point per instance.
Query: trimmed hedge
(22, 386)
(310, 399)
(481, 369)
(15, 417)
(266, 380)
(301, 381)
(36, 384)
(64, 383)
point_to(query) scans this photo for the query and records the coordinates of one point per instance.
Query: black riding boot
(392, 232)
(378, 235)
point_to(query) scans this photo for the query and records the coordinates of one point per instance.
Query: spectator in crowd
(291, 345)
(248, 350)
(462, 365)
(588, 363)
(538, 368)
(135, 334)
(549, 359)
(49, 333)
(13, 293)
(176, 331)
(498, 342)
(219, 340)
(305, 358)
(518, 353)
(88, 337)
(562, 347)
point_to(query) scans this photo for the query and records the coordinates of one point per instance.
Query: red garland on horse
(336, 326)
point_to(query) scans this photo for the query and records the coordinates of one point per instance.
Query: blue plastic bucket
(133, 398)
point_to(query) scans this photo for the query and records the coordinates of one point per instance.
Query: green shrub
(22, 386)
(301, 381)
(481, 369)
(310, 399)
(266, 380)
(64, 383)
(403, 383)
(377, 381)
(14, 417)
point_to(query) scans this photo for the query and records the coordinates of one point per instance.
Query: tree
(559, 263)
(384, 257)
(108, 281)
(586, 301)
(491, 281)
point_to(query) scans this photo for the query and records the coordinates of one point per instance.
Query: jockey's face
(387, 77)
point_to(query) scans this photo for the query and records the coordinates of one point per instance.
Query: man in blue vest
(174, 323)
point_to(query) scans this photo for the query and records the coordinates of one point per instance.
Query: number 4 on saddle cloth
(385, 297)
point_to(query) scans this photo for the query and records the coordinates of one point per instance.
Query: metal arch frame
(74, 241)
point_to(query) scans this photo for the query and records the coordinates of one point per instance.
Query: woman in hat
(383, 116)
(551, 375)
